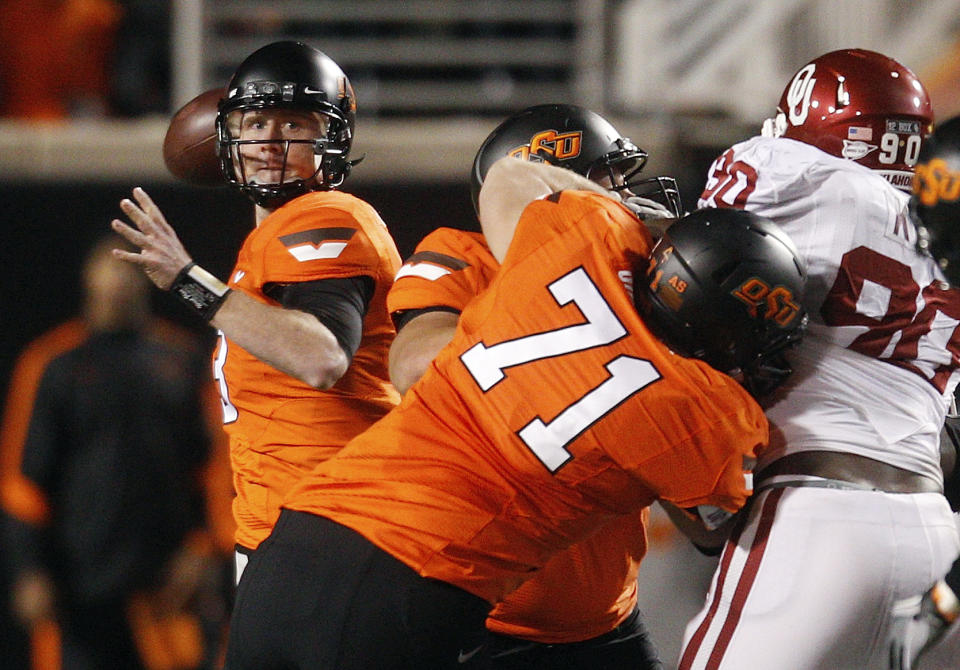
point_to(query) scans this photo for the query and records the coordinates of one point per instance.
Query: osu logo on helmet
(778, 302)
(562, 146)
(936, 182)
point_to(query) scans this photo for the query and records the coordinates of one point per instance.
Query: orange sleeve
(322, 235)
(448, 268)
(19, 496)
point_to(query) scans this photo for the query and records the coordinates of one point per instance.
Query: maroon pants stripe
(745, 583)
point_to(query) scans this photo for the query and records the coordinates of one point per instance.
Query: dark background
(48, 227)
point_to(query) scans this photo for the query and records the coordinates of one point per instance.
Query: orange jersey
(552, 411)
(591, 587)
(20, 497)
(280, 427)
(447, 269)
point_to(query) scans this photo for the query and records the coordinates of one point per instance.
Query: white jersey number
(729, 182)
(628, 375)
(229, 410)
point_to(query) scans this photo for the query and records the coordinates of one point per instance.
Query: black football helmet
(296, 76)
(935, 203)
(577, 139)
(725, 286)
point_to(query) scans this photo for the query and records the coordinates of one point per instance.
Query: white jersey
(878, 366)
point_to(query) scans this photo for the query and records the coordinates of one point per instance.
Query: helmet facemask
(297, 78)
(620, 171)
(329, 162)
(770, 367)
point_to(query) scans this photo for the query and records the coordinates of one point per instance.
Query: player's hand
(918, 624)
(185, 574)
(655, 216)
(161, 255)
(32, 598)
(645, 208)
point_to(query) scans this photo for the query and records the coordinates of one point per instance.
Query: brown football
(189, 147)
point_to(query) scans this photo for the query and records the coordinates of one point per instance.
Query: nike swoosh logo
(311, 91)
(464, 657)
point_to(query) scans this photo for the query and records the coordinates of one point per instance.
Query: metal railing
(434, 76)
(410, 57)
(414, 58)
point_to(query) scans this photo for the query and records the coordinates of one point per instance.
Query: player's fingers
(148, 205)
(128, 232)
(137, 215)
(128, 256)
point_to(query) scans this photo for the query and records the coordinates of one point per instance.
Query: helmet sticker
(562, 146)
(778, 302)
(798, 97)
(860, 133)
(679, 284)
(905, 127)
(855, 150)
(843, 95)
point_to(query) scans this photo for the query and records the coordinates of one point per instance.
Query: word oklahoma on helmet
(935, 204)
(859, 105)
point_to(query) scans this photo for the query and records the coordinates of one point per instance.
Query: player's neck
(261, 213)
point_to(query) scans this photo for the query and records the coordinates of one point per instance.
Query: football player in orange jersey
(304, 329)
(554, 409)
(580, 610)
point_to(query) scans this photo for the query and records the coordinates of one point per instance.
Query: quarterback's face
(263, 160)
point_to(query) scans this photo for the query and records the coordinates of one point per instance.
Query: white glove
(774, 127)
(919, 624)
(644, 208)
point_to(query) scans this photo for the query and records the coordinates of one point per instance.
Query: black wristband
(200, 290)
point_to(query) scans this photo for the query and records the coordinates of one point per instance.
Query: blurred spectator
(55, 57)
(104, 455)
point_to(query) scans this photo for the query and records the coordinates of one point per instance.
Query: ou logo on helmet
(798, 95)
